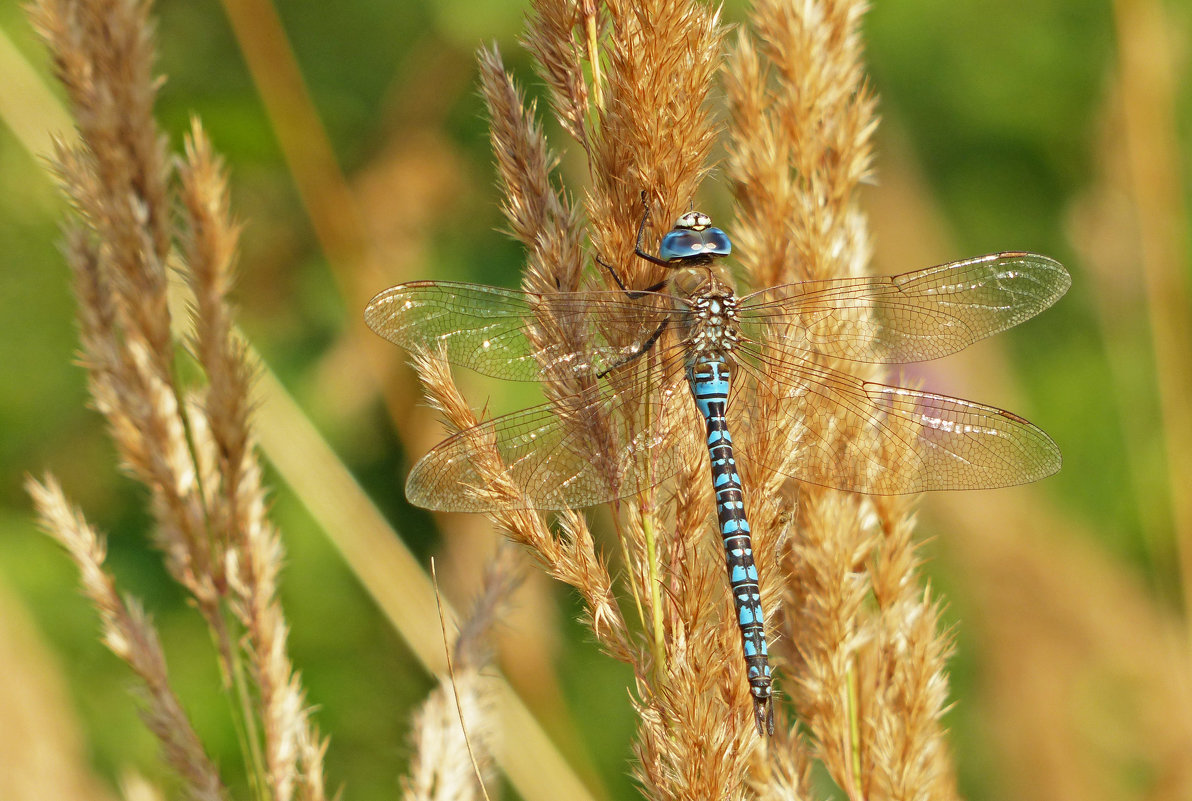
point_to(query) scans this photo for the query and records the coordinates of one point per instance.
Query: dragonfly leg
(637, 354)
(637, 249)
(641, 234)
(632, 293)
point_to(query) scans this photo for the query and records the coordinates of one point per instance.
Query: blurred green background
(1004, 122)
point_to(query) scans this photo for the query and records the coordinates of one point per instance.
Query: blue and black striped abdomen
(710, 379)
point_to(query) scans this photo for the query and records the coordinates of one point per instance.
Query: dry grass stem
(191, 446)
(1148, 74)
(441, 766)
(453, 732)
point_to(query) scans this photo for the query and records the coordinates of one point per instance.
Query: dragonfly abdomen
(709, 378)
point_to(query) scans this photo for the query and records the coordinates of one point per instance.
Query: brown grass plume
(190, 445)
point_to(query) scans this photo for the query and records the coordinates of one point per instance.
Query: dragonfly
(771, 365)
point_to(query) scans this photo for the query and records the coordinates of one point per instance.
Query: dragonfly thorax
(712, 324)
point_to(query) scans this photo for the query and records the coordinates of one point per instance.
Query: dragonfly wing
(839, 431)
(515, 335)
(610, 441)
(904, 318)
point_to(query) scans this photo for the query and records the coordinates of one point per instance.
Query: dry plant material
(870, 695)
(453, 732)
(859, 634)
(130, 636)
(191, 446)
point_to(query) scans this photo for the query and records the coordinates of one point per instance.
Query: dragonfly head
(693, 237)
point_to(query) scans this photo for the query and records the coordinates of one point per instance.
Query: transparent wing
(839, 431)
(519, 336)
(911, 317)
(612, 440)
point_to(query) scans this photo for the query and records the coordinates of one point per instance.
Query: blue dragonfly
(617, 423)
